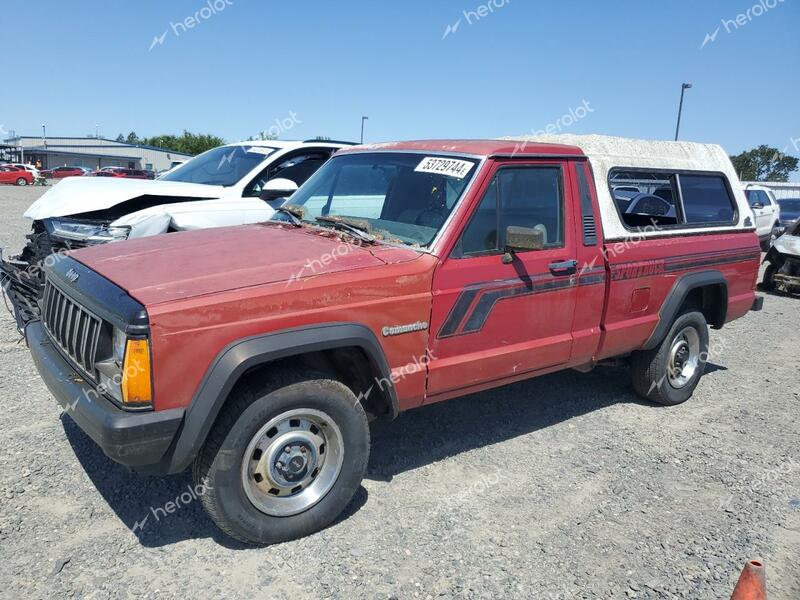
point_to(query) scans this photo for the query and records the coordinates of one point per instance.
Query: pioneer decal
(636, 270)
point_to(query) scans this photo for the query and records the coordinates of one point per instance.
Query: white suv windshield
(224, 166)
(398, 197)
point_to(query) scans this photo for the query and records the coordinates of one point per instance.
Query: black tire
(768, 282)
(650, 368)
(22, 181)
(218, 467)
(766, 244)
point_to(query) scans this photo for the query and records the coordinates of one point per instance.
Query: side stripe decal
(489, 293)
(476, 301)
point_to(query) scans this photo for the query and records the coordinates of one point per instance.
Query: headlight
(85, 232)
(118, 342)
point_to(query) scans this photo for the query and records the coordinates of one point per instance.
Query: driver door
(759, 203)
(493, 320)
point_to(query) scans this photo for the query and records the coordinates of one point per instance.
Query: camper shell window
(670, 199)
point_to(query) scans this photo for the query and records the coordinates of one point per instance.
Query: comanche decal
(401, 329)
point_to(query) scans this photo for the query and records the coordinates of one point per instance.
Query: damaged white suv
(229, 185)
(783, 262)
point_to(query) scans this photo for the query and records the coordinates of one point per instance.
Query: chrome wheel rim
(684, 357)
(292, 462)
(21, 181)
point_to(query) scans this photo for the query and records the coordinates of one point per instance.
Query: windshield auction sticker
(445, 166)
(260, 150)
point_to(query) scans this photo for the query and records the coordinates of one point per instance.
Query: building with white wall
(93, 153)
(789, 189)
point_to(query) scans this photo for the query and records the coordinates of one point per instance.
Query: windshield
(790, 205)
(398, 197)
(225, 165)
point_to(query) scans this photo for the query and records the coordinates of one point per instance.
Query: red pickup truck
(399, 275)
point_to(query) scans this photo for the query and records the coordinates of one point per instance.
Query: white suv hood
(76, 195)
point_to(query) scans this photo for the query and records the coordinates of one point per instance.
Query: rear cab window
(659, 199)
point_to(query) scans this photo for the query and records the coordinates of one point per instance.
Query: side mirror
(522, 239)
(277, 188)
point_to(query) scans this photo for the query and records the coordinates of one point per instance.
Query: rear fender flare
(677, 296)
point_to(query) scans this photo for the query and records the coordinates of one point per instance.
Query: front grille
(75, 330)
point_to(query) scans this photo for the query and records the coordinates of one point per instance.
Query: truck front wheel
(669, 373)
(283, 461)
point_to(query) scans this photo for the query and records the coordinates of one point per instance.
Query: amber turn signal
(136, 374)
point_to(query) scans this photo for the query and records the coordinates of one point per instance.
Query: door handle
(566, 267)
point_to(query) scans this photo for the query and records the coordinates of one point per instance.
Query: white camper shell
(616, 162)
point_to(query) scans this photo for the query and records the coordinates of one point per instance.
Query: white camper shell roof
(606, 153)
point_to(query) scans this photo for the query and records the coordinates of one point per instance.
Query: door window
(757, 197)
(528, 197)
(297, 168)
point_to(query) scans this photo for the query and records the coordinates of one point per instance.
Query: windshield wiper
(358, 229)
(295, 215)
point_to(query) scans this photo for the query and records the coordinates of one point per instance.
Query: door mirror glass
(278, 188)
(522, 239)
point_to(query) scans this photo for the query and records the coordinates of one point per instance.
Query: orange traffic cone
(752, 584)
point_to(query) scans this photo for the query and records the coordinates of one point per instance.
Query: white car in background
(29, 168)
(229, 185)
(767, 213)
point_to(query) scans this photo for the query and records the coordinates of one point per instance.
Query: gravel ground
(566, 486)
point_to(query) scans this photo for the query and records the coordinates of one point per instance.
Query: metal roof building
(93, 153)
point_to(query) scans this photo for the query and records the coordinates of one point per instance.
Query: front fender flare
(240, 356)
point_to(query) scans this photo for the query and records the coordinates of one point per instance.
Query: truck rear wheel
(283, 461)
(669, 373)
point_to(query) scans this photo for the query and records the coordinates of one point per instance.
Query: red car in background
(15, 175)
(65, 171)
(121, 172)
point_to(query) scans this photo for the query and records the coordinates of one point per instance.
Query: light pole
(362, 128)
(44, 135)
(684, 87)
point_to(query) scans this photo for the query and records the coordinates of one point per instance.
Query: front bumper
(135, 439)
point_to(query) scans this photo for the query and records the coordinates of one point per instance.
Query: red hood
(193, 263)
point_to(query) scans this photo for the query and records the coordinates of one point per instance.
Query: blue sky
(516, 69)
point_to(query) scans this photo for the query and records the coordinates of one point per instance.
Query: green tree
(764, 164)
(132, 138)
(262, 137)
(121, 138)
(188, 143)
